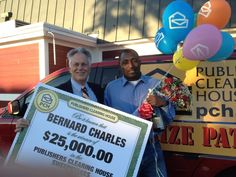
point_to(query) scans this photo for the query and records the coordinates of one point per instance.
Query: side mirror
(14, 107)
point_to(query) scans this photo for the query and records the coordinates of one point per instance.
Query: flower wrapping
(176, 92)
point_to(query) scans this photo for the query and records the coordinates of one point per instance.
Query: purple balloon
(202, 42)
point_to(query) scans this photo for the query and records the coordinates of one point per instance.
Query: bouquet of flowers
(173, 90)
(176, 92)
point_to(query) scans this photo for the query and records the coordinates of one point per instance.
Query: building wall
(61, 59)
(19, 67)
(111, 20)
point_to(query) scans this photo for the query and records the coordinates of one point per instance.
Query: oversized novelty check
(71, 132)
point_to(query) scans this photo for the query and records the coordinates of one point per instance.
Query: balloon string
(164, 76)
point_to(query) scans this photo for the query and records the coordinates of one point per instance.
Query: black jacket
(98, 91)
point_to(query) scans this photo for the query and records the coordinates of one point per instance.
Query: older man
(80, 64)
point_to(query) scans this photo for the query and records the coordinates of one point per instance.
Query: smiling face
(79, 68)
(130, 65)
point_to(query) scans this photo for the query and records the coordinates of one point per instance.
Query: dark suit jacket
(98, 91)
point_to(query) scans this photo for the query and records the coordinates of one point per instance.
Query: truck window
(109, 74)
(92, 75)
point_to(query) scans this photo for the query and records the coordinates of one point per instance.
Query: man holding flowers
(131, 93)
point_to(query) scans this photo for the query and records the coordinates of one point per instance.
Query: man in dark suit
(80, 64)
(97, 90)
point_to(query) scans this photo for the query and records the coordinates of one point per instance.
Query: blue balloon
(178, 20)
(165, 44)
(226, 49)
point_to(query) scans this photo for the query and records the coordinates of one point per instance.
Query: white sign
(75, 133)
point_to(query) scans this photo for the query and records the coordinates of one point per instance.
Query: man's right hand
(20, 124)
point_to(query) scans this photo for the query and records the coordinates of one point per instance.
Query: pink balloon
(202, 42)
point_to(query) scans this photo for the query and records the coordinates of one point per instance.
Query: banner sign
(209, 127)
(204, 138)
(71, 132)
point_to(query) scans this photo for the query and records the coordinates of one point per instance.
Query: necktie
(84, 92)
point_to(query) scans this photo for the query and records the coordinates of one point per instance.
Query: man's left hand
(156, 100)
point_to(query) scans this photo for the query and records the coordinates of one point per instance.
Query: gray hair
(82, 50)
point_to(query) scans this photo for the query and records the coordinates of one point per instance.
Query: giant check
(75, 133)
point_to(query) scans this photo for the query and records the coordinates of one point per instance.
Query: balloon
(182, 63)
(202, 42)
(178, 20)
(215, 12)
(226, 49)
(163, 43)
